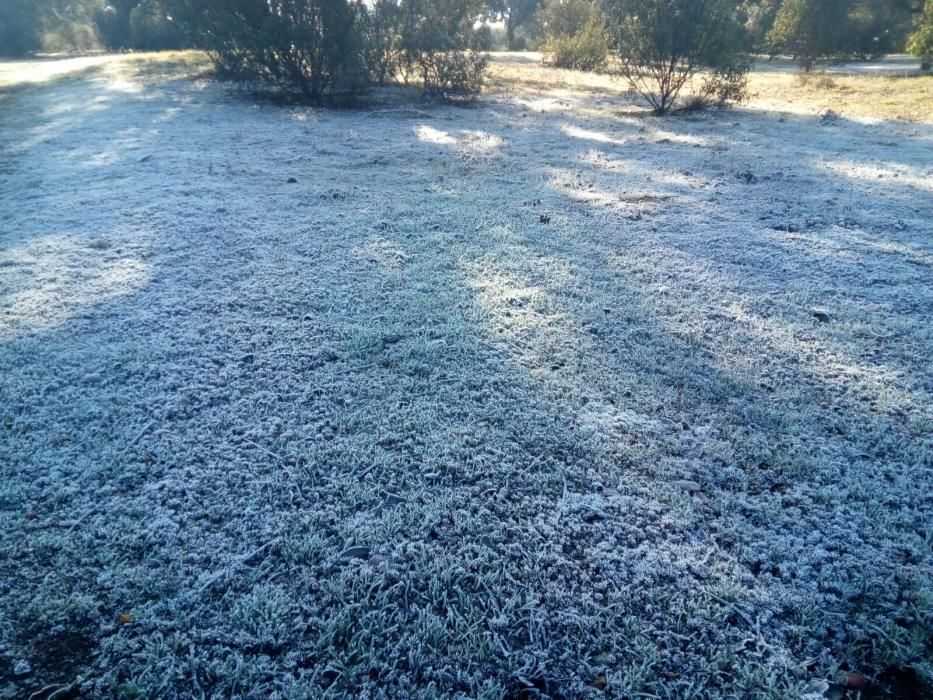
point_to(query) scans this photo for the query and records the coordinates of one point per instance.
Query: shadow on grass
(421, 420)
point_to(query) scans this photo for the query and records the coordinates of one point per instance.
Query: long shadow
(381, 445)
(694, 368)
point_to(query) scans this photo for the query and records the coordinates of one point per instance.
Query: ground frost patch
(478, 402)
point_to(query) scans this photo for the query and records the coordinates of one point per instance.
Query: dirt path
(529, 395)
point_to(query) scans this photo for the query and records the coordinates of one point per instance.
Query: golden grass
(857, 96)
(48, 69)
(772, 86)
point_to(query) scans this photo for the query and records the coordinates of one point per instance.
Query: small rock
(821, 315)
(359, 552)
(22, 668)
(686, 485)
(292, 181)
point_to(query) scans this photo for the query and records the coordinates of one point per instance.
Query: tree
(663, 45)
(815, 30)
(811, 29)
(19, 27)
(921, 41)
(515, 14)
(877, 27)
(566, 17)
(757, 16)
(113, 23)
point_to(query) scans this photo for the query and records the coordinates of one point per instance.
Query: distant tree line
(809, 30)
(80, 25)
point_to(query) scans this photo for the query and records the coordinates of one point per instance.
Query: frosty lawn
(536, 396)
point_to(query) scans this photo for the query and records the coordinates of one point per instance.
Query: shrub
(586, 50)
(441, 48)
(324, 47)
(663, 45)
(453, 73)
(313, 47)
(575, 34)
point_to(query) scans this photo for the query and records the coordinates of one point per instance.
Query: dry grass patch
(774, 86)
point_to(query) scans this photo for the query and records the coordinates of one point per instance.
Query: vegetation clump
(309, 46)
(441, 49)
(575, 35)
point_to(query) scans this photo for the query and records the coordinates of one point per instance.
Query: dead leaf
(856, 681)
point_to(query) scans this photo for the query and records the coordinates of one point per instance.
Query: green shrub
(441, 47)
(586, 50)
(320, 48)
(575, 34)
(312, 47)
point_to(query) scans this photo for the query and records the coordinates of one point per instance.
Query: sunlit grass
(772, 86)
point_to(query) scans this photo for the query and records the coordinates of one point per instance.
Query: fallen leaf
(856, 681)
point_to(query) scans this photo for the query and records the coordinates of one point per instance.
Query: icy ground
(533, 398)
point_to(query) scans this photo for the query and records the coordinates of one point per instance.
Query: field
(533, 397)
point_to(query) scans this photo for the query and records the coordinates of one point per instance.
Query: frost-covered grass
(533, 397)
